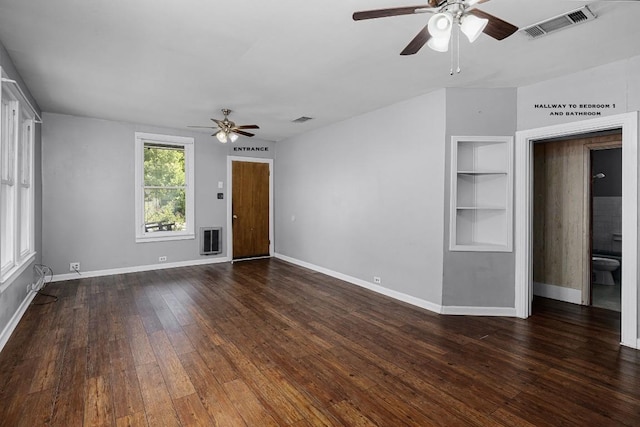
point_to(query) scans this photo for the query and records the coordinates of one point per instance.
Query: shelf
(481, 194)
(480, 208)
(468, 172)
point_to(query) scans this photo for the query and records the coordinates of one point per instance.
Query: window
(16, 176)
(164, 187)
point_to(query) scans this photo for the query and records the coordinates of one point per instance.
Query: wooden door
(250, 209)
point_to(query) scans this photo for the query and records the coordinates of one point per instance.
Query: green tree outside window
(164, 188)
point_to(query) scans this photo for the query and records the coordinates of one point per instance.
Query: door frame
(628, 122)
(230, 160)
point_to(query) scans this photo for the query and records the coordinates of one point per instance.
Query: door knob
(235, 217)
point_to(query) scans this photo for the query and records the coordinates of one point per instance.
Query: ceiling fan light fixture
(439, 25)
(233, 137)
(472, 26)
(439, 44)
(222, 136)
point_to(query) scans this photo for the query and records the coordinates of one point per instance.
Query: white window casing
(179, 142)
(17, 121)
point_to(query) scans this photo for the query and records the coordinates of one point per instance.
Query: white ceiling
(178, 62)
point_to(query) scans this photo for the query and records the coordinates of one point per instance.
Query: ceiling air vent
(301, 119)
(574, 17)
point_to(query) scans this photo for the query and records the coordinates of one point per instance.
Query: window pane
(164, 209)
(25, 219)
(25, 154)
(163, 166)
(7, 224)
(7, 138)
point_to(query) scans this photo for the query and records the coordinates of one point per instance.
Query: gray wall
(88, 194)
(477, 279)
(365, 197)
(15, 294)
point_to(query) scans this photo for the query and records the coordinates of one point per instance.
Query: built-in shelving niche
(481, 194)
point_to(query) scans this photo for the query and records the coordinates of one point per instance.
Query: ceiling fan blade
(247, 127)
(218, 122)
(394, 11)
(418, 41)
(240, 132)
(203, 127)
(496, 28)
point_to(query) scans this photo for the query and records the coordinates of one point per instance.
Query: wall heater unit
(210, 240)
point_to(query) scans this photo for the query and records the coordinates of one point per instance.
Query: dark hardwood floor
(266, 343)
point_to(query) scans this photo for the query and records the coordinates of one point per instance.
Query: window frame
(16, 150)
(185, 143)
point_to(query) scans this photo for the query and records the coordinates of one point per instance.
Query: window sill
(7, 279)
(165, 237)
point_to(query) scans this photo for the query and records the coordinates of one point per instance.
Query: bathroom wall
(607, 202)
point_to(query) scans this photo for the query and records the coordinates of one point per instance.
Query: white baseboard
(137, 269)
(436, 308)
(560, 293)
(364, 284)
(479, 311)
(13, 322)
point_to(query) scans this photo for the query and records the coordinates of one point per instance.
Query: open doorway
(565, 265)
(523, 213)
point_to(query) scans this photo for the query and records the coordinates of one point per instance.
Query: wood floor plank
(191, 412)
(176, 378)
(248, 405)
(216, 402)
(139, 419)
(268, 343)
(127, 398)
(98, 410)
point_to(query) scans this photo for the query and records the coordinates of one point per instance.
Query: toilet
(602, 269)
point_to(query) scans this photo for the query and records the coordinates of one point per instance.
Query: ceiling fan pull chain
(458, 47)
(451, 69)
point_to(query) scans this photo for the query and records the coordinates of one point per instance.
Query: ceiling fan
(228, 130)
(437, 33)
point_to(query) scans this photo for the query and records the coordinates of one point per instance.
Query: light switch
(220, 184)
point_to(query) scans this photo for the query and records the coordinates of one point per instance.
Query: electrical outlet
(162, 258)
(74, 266)
(377, 280)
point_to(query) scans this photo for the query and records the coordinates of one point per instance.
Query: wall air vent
(210, 240)
(302, 119)
(569, 19)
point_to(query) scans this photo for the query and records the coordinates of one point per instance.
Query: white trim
(16, 271)
(574, 296)
(15, 319)
(24, 97)
(505, 245)
(364, 284)
(479, 311)
(436, 308)
(231, 159)
(523, 227)
(137, 269)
